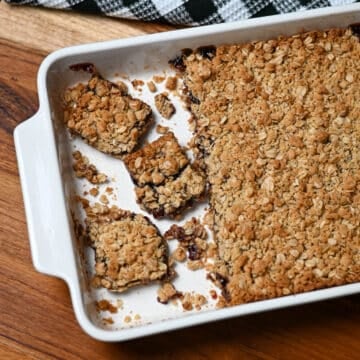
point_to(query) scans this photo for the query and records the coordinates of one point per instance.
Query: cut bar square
(166, 182)
(129, 249)
(105, 116)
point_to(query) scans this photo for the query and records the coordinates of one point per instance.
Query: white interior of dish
(142, 62)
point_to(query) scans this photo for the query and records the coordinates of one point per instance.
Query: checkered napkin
(185, 12)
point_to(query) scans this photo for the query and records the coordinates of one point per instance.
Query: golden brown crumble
(167, 292)
(171, 83)
(151, 86)
(137, 83)
(158, 78)
(129, 250)
(191, 300)
(109, 190)
(179, 254)
(164, 106)
(156, 161)
(277, 123)
(103, 199)
(105, 116)
(162, 129)
(105, 305)
(192, 239)
(83, 169)
(166, 183)
(94, 191)
(108, 321)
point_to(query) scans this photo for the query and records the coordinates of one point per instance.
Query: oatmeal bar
(129, 249)
(105, 116)
(277, 127)
(166, 182)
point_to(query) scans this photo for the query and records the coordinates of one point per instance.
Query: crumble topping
(167, 292)
(137, 84)
(164, 106)
(162, 129)
(191, 300)
(277, 126)
(129, 250)
(158, 78)
(105, 305)
(151, 86)
(192, 239)
(105, 116)
(94, 191)
(171, 83)
(83, 169)
(166, 183)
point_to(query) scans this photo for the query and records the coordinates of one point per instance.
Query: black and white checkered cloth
(186, 12)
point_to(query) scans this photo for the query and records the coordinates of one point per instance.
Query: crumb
(83, 169)
(190, 300)
(108, 320)
(94, 191)
(109, 190)
(199, 301)
(122, 86)
(127, 319)
(179, 254)
(192, 239)
(84, 202)
(85, 193)
(186, 302)
(166, 293)
(105, 305)
(211, 252)
(104, 199)
(194, 265)
(213, 294)
(158, 79)
(151, 86)
(96, 282)
(208, 219)
(161, 129)
(164, 106)
(171, 83)
(137, 83)
(120, 303)
(137, 317)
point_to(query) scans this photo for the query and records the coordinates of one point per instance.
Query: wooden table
(36, 316)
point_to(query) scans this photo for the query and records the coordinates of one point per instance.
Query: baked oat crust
(105, 116)
(166, 182)
(129, 249)
(277, 125)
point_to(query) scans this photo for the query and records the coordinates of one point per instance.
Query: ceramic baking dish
(44, 150)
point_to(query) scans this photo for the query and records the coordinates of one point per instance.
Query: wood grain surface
(36, 315)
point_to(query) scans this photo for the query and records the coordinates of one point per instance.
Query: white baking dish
(44, 156)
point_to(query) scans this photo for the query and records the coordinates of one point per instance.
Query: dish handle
(44, 200)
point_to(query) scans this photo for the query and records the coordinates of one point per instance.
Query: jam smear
(194, 253)
(87, 67)
(355, 28)
(178, 63)
(193, 99)
(207, 52)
